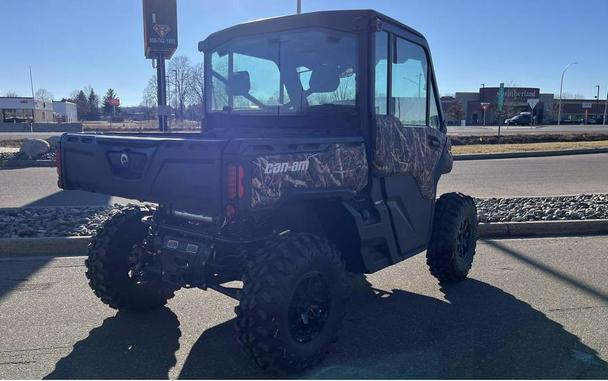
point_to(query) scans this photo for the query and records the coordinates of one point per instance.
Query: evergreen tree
(108, 107)
(82, 105)
(93, 103)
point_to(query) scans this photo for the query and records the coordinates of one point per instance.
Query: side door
(409, 137)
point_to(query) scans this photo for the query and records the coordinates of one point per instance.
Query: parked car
(518, 120)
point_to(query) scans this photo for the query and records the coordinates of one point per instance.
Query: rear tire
(454, 237)
(293, 303)
(109, 268)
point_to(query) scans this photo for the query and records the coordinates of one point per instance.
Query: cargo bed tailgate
(182, 172)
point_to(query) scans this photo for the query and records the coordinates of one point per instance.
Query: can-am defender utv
(321, 150)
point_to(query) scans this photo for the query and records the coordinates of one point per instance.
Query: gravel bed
(520, 209)
(83, 221)
(21, 156)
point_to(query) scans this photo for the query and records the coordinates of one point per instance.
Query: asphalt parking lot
(533, 308)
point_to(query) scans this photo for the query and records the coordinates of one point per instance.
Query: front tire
(293, 302)
(110, 264)
(454, 238)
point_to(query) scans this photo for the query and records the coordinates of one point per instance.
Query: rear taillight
(235, 176)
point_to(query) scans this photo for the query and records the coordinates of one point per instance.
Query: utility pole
(299, 7)
(561, 86)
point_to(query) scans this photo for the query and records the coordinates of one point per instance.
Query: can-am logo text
(296, 166)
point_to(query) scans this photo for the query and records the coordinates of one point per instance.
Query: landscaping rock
(520, 209)
(84, 221)
(34, 148)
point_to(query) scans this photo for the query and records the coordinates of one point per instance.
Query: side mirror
(239, 83)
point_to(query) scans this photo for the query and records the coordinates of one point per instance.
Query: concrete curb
(542, 228)
(77, 246)
(11, 164)
(513, 155)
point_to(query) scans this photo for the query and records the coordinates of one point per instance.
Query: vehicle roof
(350, 20)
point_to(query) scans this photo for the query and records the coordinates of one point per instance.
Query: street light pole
(561, 86)
(597, 102)
(299, 7)
(605, 108)
(33, 103)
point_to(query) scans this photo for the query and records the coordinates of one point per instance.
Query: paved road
(38, 187)
(548, 129)
(533, 309)
(542, 176)
(481, 178)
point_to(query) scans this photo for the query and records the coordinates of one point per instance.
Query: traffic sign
(114, 102)
(485, 105)
(501, 97)
(532, 102)
(587, 105)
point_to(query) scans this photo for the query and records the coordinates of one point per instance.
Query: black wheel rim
(309, 308)
(465, 239)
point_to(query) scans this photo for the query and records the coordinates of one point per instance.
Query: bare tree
(150, 93)
(11, 94)
(44, 95)
(149, 100)
(179, 75)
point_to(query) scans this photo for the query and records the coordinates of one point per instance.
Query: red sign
(114, 102)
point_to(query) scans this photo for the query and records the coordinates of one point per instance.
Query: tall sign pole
(501, 106)
(160, 42)
(161, 92)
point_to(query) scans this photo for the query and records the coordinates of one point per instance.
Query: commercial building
(474, 107)
(65, 112)
(25, 110)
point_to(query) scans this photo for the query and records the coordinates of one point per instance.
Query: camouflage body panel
(448, 148)
(339, 166)
(401, 151)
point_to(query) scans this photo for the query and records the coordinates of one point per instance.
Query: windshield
(284, 73)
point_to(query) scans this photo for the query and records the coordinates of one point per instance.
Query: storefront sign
(160, 28)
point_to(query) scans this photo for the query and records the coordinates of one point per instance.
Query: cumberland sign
(512, 94)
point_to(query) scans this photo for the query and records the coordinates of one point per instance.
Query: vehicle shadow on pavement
(478, 331)
(125, 346)
(72, 198)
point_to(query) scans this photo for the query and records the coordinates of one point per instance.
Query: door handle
(434, 141)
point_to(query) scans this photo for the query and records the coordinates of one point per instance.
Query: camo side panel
(403, 150)
(341, 165)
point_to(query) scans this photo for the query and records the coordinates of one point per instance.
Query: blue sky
(75, 43)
